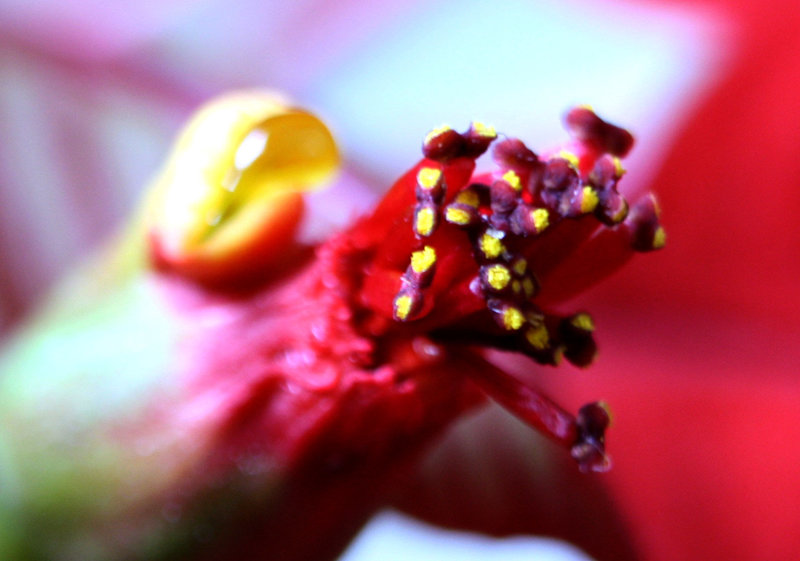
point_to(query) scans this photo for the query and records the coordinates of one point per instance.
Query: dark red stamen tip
(442, 144)
(589, 447)
(511, 153)
(646, 231)
(585, 125)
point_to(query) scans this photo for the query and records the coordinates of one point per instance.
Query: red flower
(300, 389)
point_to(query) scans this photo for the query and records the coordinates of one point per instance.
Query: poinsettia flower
(718, 348)
(290, 383)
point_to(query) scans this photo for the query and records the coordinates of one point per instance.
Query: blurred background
(699, 344)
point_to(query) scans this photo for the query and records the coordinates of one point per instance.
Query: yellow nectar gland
(498, 277)
(520, 266)
(457, 216)
(513, 319)
(428, 177)
(402, 306)
(538, 337)
(468, 197)
(589, 200)
(491, 247)
(512, 179)
(425, 221)
(541, 219)
(423, 259)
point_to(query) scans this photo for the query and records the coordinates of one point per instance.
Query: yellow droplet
(228, 198)
(423, 259)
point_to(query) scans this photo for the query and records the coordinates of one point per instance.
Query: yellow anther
(468, 197)
(491, 246)
(619, 170)
(583, 322)
(436, 132)
(529, 287)
(541, 218)
(538, 337)
(422, 260)
(428, 177)
(513, 319)
(424, 221)
(659, 238)
(498, 276)
(512, 179)
(589, 200)
(484, 130)
(520, 266)
(457, 216)
(402, 306)
(573, 159)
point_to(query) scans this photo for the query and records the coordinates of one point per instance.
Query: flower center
(486, 253)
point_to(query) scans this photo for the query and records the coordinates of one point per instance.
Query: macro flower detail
(479, 260)
(240, 380)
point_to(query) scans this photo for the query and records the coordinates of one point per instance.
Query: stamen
(425, 219)
(442, 144)
(461, 215)
(490, 244)
(529, 221)
(648, 235)
(589, 448)
(430, 185)
(407, 303)
(585, 125)
(423, 260)
(477, 139)
(496, 278)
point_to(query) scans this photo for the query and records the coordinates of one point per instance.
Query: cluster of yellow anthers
(503, 212)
